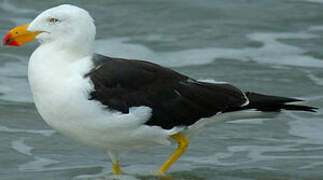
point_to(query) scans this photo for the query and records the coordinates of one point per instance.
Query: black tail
(274, 103)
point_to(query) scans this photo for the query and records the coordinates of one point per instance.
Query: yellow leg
(116, 170)
(182, 143)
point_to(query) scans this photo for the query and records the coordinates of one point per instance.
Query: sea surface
(267, 46)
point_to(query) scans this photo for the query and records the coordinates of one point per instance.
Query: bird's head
(66, 24)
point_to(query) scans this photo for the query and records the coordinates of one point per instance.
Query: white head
(67, 26)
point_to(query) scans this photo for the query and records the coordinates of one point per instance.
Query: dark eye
(53, 20)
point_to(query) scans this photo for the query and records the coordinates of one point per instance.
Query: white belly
(60, 93)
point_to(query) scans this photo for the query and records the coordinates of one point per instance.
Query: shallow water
(273, 47)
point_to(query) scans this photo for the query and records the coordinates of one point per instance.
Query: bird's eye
(53, 20)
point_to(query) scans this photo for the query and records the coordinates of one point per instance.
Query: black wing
(175, 99)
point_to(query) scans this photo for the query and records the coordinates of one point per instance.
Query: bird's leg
(182, 144)
(116, 170)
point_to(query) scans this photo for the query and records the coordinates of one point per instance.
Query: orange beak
(19, 36)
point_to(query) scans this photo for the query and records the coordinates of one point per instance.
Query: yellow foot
(158, 172)
(116, 170)
(182, 144)
(161, 175)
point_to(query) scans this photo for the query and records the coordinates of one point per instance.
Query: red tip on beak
(7, 40)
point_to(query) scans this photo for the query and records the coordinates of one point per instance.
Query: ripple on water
(310, 129)
(33, 131)
(37, 164)
(316, 79)
(20, 146)
(272, 52)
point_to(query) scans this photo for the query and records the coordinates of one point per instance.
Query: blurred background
(273, 47)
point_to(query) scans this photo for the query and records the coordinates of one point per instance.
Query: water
(274, 47)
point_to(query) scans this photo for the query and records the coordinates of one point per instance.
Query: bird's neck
(51, 69)
(51, 60)
(73, 49)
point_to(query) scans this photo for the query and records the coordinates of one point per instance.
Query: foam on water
(258, 153)
(38, 164)
(316, 28)
(133, 172)
(215, 159)
(118, 47)
(317, 80)
(312, 165)
(105, 177)
(32, 131)
(255, 153)
(20, 146)
(272, 52)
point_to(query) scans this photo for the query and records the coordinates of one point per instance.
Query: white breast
(60, 93)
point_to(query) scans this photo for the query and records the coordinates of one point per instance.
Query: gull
(116, 104)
